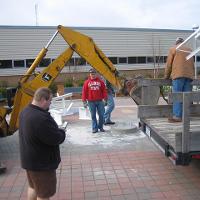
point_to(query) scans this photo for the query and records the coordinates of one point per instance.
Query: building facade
(127, 48)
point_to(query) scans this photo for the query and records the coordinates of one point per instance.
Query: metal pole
(36, 14)
(50, 41)
(195, 58)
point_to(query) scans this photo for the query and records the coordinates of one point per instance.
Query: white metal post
(195, 58)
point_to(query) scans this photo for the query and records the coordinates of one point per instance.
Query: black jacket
(39, 139)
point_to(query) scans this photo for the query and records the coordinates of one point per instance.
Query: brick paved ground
(127, 169)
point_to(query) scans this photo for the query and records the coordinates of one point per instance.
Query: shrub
(81, 82)
(148, 76)
(165, 89)
(53, 88)
(68, 82)
(3, 84)
(160, 75)
(2, 92)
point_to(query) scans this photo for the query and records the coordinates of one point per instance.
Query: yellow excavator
(85, 47)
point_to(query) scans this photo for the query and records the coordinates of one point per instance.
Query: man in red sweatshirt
(94, 95)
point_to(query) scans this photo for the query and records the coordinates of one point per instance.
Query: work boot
(2, 169)
(109, 123)
(102, 130)
(94, 131)
(174, 120)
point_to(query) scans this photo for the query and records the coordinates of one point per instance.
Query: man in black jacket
(39, 139)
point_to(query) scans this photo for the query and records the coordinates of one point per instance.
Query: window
(150, 60)
(29, 62)
(164, 59)
(159, 59)
(113, 60)
(5, 63)
(70, 62)
(198, 58)
(122, 60)
(132, 60)
(141, 59)
(19, 63)
(80, 61)
(45, 62)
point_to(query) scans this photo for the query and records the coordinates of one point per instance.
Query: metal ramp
(196, 46)
(61, 106)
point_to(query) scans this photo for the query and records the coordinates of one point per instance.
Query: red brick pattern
(112, 174)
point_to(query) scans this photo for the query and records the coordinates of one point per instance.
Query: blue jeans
(180, 85)
(110, 108)
(96, 106)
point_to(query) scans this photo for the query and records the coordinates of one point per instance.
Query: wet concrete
(116, 135)
(124, 134)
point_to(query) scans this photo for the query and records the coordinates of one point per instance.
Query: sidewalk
(115, 165)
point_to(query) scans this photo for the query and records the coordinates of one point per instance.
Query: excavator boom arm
(87, 49)
(26, 90)
(28, 84)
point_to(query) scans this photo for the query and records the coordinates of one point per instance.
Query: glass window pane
(45, 62)
(122, 60)
(29, 62)
(132, 60)
(5, 63)
(150, 60)
(113, 60)
(165, 59)
(80, 61)
(70, 62)
(18, 63)
(159, 59)
(142, 59)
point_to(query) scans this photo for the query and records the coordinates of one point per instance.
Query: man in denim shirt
(110, 104)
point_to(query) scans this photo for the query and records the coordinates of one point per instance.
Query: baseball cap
(92, 71)
(179, 40)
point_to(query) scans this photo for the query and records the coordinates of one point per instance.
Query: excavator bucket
(143, 95)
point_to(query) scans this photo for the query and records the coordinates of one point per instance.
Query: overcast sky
(168, 14)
